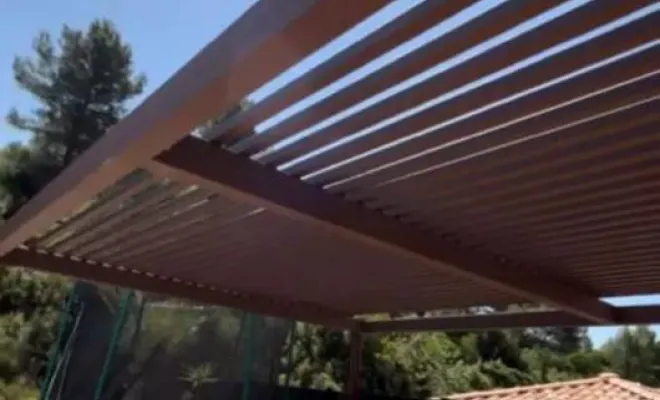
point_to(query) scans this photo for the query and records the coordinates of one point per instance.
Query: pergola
(536, 186)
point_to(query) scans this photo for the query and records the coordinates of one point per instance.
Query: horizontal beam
(139, 280)
(195, 161)
(269, 38)
(638, 315)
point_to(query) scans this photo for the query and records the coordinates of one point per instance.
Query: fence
(115, 344)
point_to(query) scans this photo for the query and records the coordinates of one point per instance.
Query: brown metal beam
(269, 38)
(628, 316)
(401, 29)
(195, 161)
(116, 275)
(490, 24)
(564, 28)
(354, 364)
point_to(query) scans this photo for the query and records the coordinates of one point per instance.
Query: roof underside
(529, 175)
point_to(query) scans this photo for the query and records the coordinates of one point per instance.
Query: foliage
(198, 376)
(635, 354)
(18, 390)
(423, 364)
(81, 85)
(29, 304)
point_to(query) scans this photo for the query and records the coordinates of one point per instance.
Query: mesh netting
(126, 345)
(117, 344)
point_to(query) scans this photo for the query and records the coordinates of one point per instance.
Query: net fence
(117, 344)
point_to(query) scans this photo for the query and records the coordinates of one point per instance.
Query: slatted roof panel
(553, 162)
(510, 157)
(162, 228)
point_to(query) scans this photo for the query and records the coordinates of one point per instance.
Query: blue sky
(164, 34)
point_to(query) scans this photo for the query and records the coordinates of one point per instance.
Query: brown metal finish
(232, 254)
(97, 212)
(487, 165)
(476, 322)
(153, 199)
(524, 188)
(211, 223)
(115, 210)
(130, 230)
(354, 364)
(568, 97)
(269, 38)
(577, 215)
(627, 316)
(166, 285)
(482, 28)
(540, 186)
(574, 209)
(239, 177)
(189, 218)
(394, 33)
(517, 49)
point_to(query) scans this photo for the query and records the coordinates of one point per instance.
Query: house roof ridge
(611, 378)
(529, 388)
(635, 387)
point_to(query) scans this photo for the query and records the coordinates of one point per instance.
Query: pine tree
(82, 84)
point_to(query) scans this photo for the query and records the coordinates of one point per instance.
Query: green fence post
(248, 357)
(114, 341)
(52, 360)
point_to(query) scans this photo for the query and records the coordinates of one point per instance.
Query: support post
(248, 355)
(127, 297)
(354, 364)
(53, 355)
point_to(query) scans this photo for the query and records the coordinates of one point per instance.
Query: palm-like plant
(196, 377)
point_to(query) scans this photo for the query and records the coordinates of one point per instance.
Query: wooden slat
(169, 286)
(578, 22)
(540, 212)
(489, 166)
(94, 214)
(183, 220)
(356, 344)
(543, 204)
(236, 177)
(399, 30)
(487, 123)
(131, 229)
(270, 37)
(164, 245)
(635, 315)
(124, 217)
(476, 322)
(483, 27)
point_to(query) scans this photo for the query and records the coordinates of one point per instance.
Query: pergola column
(354, 364)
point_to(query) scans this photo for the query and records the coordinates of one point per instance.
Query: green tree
(81, 85)
(563, 340)
(587, 363)
(28, 314)
(634, 354)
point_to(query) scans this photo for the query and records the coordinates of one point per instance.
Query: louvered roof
(510, 157)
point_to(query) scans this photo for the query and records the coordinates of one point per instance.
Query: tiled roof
(606, 386)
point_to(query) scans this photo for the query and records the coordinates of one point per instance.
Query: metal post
(52, 359)
(355, 365)
(114, 341)
(248, 356)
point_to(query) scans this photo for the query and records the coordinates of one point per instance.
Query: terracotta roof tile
(606, 386)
